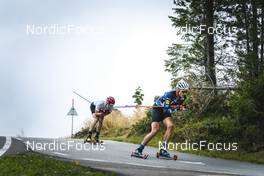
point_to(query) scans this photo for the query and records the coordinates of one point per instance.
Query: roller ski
(97, 141)
(164, 154)
(139, 154)
(88, 140)
(93, 141)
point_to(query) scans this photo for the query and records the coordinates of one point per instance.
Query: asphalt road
(115, 156)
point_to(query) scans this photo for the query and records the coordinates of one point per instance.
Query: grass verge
(36, 164)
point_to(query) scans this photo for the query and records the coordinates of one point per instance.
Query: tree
(138, 96)
(234, 55)
(207, 49)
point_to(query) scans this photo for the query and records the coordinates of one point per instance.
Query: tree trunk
(209, 10)
(255, 57)
(262, 38)
(246, 25)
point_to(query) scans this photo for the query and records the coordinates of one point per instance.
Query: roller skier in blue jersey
(170, 101)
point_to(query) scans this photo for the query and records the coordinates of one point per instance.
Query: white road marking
(223, 173)
(213, 175)
(116, 162)
(137, 164)
(58, 153)
(6, 146)
(18, 138)
(145, 165)
(91, 159)
(192, 162)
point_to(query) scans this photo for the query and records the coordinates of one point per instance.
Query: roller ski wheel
(174, 157)
(98, 142)
(137, 155)
(88, 141)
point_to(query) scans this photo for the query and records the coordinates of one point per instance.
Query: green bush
(142, 126)
(209, 129)
(247, 106)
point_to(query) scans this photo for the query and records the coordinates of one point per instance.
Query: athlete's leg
(94, 122)
(157, 116)
(100, 123)
(92, 126)
(99, 127)
(154, 130)
(168, 122)
(155, 126)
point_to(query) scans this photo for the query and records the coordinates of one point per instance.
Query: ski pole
(128, 106)
(135, 106)
(82, 97)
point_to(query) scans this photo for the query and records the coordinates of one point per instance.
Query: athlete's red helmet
(110, 100)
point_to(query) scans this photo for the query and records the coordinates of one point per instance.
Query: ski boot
(89, 138)
(164, 154)
(138, 153)
(96, 140)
